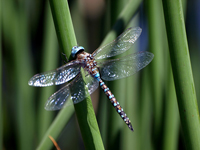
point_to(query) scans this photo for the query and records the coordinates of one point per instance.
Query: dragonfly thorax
(76, 49)
(88, 62)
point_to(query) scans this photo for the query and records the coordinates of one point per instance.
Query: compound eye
(75, 50)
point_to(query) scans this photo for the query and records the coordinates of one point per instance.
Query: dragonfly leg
(65, 58)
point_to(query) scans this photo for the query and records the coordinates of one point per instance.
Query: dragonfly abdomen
(115, 103)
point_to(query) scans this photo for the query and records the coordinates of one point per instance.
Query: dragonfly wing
(59, 99)
(92, 83)
(121, 44)
(73, 92)
(125, 66)
(55, 77)
(78, 90)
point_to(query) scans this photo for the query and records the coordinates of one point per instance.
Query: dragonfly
(97, 67)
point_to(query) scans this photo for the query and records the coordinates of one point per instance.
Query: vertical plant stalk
(63, 25)
(182, 72)
(1, 111)
(117, 87)
(56, 128)
(49, 62)
(156, 22)
(146, 99)
(16, 31)
(122, 20)
(171, 115)
(84, 110)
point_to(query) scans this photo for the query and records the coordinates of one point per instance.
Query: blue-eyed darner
(96, 67)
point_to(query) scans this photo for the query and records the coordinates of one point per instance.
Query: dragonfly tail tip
(131, 128)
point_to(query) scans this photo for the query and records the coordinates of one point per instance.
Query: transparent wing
(92, 83)
(119, 45)
(74, 92)
(58, 76)
(125, 66)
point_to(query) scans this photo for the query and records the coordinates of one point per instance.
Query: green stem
(63, 25)
(1, 111)
(122, 20)
(182, 72)
(118, 88)
(146, 109)
(49, 62)
(156, 22)
(56, 128)
(84, 110)
(88, 124)
(171, 115)
(15, 24)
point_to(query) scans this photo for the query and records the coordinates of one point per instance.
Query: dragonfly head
(76, 50)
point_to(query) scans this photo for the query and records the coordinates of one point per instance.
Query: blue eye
(76, 49)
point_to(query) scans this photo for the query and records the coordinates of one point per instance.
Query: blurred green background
(29, 45)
